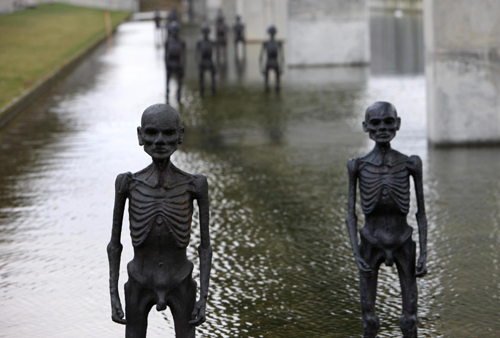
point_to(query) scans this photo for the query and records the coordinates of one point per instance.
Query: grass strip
(35, 42)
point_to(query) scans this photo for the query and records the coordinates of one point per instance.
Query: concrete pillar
(462, 43)
(328, 32)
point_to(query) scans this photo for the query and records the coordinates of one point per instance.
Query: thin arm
(205, 249)
(115, 247)
(261, 56)
(420, 215)
(183, 54)
(281, 58)
(196, 54)
(351, 219)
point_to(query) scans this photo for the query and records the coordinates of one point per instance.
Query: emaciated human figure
(221, 39)
(175, 57)
(172, 15)
(158, 30)
(239, 35)
(204, 51)
(273, 51)
(161, 200)
(384, 184)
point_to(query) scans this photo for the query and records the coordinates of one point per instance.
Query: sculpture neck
(161, 169)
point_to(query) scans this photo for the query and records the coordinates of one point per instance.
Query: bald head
(379, 109)
(161, 112)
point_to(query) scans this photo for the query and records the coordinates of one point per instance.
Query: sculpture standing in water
(204, 51)
(175, 55)
(161, 200)
(221, 32)
(239, 35)
(384, 183)
(274, 53)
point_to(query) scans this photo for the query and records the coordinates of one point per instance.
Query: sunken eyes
(154, 132)
(388, 121)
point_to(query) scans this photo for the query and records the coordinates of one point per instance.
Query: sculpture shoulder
(353, 165)
(415, 164)
(201, 185)
(122, 182)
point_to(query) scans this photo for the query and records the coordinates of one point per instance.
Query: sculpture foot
(371, 325)
(408, 325)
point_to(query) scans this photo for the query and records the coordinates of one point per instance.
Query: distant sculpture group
(271, 56)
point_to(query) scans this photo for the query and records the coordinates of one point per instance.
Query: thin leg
(181, 302)
(179, 88)
(202, 81)
(213, 81)
(168, 89)
(277, 72)
(266, 79)
(368, 290)
(405, 262)
(138, 302)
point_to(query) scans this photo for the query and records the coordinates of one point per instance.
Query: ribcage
(171, 207)
(373, 180)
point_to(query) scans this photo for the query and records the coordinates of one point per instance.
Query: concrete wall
(328, 32)
(462, 43)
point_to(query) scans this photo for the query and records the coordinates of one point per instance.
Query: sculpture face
(160, 133)
(381, 123)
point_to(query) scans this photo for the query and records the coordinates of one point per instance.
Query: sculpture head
(272, 31)
(381, 122)
(160, 132)
(174, 28)
(205, 30)
(238, 18)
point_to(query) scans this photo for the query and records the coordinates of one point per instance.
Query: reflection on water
(276, 166)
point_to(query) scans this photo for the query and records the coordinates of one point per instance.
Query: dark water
(282, 263)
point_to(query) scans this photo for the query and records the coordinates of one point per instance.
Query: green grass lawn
(35, 42)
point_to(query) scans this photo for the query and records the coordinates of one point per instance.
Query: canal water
(276, 165)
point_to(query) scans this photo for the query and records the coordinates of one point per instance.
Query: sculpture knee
(408, 324)
(371, 324)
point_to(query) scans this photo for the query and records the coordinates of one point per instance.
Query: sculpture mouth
(160, 150)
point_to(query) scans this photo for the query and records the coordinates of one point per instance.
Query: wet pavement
(282, 263)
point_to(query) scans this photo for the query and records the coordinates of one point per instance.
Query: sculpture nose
(160, 139)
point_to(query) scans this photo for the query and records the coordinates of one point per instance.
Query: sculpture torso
(272, 48)
(384, 184)
(238, 32)
(160, 213)
(174, 48)
(205, 47)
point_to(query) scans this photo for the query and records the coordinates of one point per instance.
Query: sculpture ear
(365, 127)
(139, 136)
(398, 123)
(181, 135)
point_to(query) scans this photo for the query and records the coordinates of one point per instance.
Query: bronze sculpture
(221, 33)
(384, 184)
(273, 51)
(175, 57)
(239, 35)
(204, 51)
(161, 207)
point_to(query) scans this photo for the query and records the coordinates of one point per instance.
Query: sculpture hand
(198, 314)
(363, 267)
(116, 310)
(421, 266)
